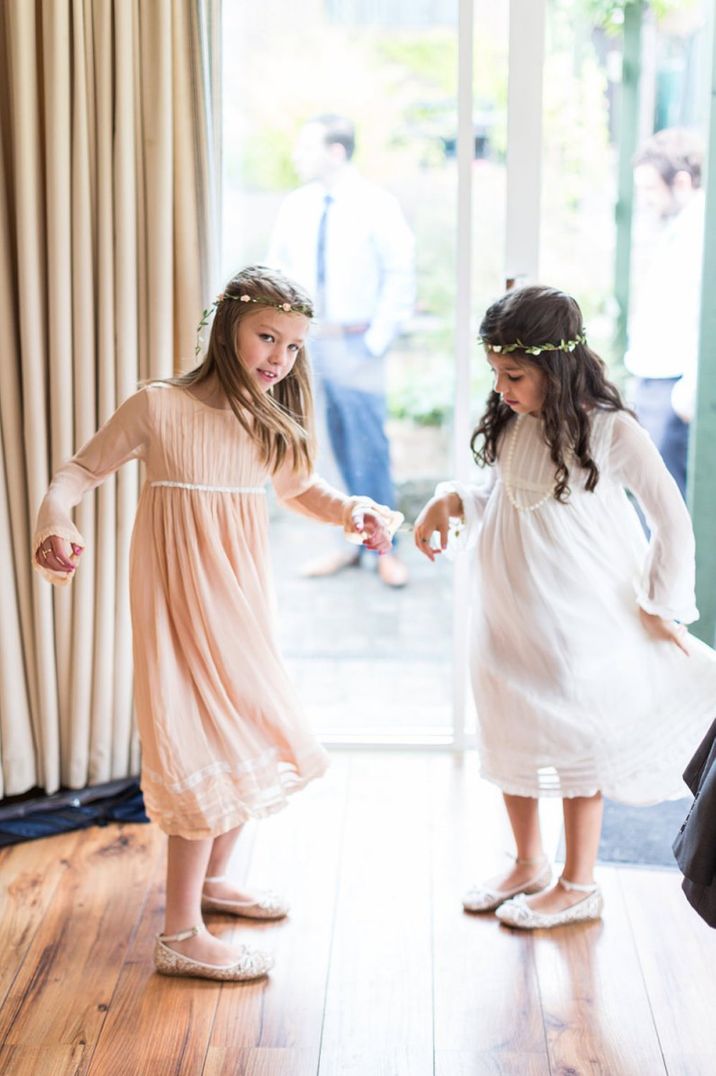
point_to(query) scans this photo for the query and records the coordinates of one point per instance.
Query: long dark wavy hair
(280, 420)
(575, 381)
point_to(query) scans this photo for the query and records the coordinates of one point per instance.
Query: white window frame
(522, 243)
(527, 21)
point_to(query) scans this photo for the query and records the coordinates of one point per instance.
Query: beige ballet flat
(517, 912)
(267, 905)
(251, 964)
(480, 899)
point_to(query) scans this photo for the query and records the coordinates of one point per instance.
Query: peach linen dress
(572, 695)
(223, 737)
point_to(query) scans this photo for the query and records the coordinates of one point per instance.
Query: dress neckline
(202, 403)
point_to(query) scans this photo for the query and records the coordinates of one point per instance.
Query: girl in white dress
(586, 680)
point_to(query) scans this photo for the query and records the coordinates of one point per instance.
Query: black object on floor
(24, 818)
(640, 836)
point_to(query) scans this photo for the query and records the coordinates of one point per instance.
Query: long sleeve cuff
(390, 517)
(464, 531)
(685, 614)
(70, 534)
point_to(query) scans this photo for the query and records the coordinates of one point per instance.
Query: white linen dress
(573, 696)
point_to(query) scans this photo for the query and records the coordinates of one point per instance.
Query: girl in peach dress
(223, 738)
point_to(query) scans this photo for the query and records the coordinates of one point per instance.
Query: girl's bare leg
(523, 813)
(582, 829)
(186, 868)
(221, 851)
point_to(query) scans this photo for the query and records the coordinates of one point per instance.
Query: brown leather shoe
(330, 563)
(392, 571)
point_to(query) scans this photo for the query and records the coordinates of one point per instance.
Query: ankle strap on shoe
(574, 887)
(216, 878)
(538, 862)
(183, 935)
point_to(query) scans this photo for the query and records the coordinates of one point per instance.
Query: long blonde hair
(280, 420)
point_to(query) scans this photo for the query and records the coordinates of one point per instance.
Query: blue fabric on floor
(27, 819)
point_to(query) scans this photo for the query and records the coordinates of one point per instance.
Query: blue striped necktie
(321, 257)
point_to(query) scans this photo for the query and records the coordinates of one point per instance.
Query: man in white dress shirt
(346, 240)
(664, 329)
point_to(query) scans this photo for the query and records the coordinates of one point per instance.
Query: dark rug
(34, 815)
(642, 836)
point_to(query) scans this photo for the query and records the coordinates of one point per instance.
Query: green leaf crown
(534, 349)
(286, 308)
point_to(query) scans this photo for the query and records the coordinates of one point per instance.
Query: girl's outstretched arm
(435, 519)
(666, 587)
(121, 438)
(453, 500)
(360, 517)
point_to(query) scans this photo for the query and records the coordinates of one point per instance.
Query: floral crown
(287, 308)
(534, 349)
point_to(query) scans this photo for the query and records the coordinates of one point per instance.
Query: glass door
(375, 663)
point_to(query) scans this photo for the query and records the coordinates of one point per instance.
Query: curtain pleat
(157, 114)
(100, 743)
(56, 105)
(108, 212)
(127, 282)
(17, 663)
(76, 717)
(27, 169)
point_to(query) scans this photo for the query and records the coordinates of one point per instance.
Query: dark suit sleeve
(695, 844)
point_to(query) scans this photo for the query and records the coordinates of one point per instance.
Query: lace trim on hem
(208, 489)
(541, 792)
(186, 823)
(259, 764)
(675, 790)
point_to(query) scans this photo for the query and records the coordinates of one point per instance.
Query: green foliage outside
(405, 110)
(609, 14)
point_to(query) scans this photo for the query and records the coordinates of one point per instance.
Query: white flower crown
(288, 308)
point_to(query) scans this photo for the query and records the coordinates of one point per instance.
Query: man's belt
(323, 329)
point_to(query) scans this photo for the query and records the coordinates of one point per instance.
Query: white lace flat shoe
(480, 899)
(251, 963)
(266, 905)
(517, 912)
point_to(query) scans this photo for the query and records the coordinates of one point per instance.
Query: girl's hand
(436, 516)
(55, 553)
(666, 630)
(376, 533)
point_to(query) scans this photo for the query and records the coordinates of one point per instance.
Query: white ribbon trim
(211, 489)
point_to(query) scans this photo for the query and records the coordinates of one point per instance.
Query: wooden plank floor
(378, 971)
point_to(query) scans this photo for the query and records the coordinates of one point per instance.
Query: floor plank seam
(538, 986)
(223, 986)
(635, 943)
(28, 946)
(128, 949)
(337, 890)
(431, 868)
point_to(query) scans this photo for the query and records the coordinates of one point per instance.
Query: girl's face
(268, 342)
(521, 385)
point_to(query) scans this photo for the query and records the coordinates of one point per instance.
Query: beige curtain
(108, 166)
